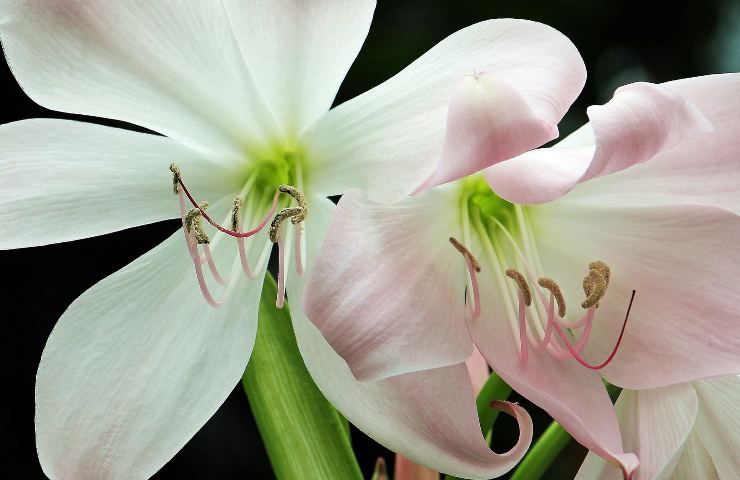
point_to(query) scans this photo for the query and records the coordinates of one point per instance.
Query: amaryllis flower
(550, 297)
(685, 431)
(239, 91)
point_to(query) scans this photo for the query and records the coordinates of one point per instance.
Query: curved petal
(387, 288)
(429, 417)
(488, 121)
(682, 261)
(397, 129)
(718, 423)
(299, 52)
(695, 463)
(138, 364)
(641, 121)
(573, 395)
(702, 170)
(174, 68)
(62, 180)
(655, 424)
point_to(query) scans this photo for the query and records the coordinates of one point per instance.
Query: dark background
(620, 41)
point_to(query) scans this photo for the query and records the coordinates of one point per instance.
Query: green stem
(544, 451)
(304, 435)
(494, 389)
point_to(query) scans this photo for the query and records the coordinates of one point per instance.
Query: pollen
(594, 286)
(194, 226)
(300, 199)
(465, 252)
(602, 268)
(175, 177)
(522, 284)
(554, 289)
(280, 217)
(235, 210)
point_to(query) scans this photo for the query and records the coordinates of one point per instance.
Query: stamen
(300, 198)
(175, 178)
(522, 283)
(594, 285)
(602, 268)
(554, 288)
(298, 250)
(606, 362)
(235, 210)
(280, 217)
(280, 301)
(466, 253)
(523, 340)
(212, 265)
(194, 226)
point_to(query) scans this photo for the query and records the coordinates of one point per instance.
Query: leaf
(304, 435)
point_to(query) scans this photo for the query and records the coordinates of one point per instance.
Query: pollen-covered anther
(300, 199)
(176, 176)
(465, 252)
(554, 288)
(280, 217)
(594, 286)
(194, 226)
(235, 211)
(522, 284)
(602, 268)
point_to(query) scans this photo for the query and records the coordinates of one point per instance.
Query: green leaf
(304, 435)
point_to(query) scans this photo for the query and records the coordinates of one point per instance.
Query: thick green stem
(304, 435)
(544, 451)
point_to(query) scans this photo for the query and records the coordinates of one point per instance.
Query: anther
(194, 226)
(594, 286)
(602, 268)
(280, 217)
(465, 252)
(554, 289)
(522, 283)
(300, 198)
(235, 210)
(175, 178)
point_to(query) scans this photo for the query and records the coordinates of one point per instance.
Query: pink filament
(476, 289)
(606, 362)
(523, 340)
(212, 265)
(226, 230)
(280, 301)
(298, 252)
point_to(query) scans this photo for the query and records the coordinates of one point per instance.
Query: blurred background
(620, 42)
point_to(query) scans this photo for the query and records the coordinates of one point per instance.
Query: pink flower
(644, 198)
(684, 431)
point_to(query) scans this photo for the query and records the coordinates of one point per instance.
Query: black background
(620, 41)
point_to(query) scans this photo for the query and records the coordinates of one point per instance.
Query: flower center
(267, 179)
(503, 232)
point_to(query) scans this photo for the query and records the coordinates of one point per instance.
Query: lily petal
(387, 288)
(682, 261)
(177, 71)
(574, 396)
(488, 121)
(695, 462)
(298, 52)
(702, 170)
(138, 364)
(62, 180)
(641, 121)
(429, 417)
(655, 424)
(397, 129)
(718, 423)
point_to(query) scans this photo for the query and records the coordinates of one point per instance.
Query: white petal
(695, 462)
(429, 417)
(299, 51)
(62, 180)
(655, 424)
(173, 67)
(704, 170)
(388, 140)
(718, 423)
(138, 364)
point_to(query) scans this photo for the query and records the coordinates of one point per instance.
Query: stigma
(197, 239)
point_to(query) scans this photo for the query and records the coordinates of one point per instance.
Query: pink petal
(429, 417)
(701, 170)
(387, 288)
(655, 424)
(478, 370)
(389, 139)
(683, 262)
(641, 121)
(488, 121)
(573, 395)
